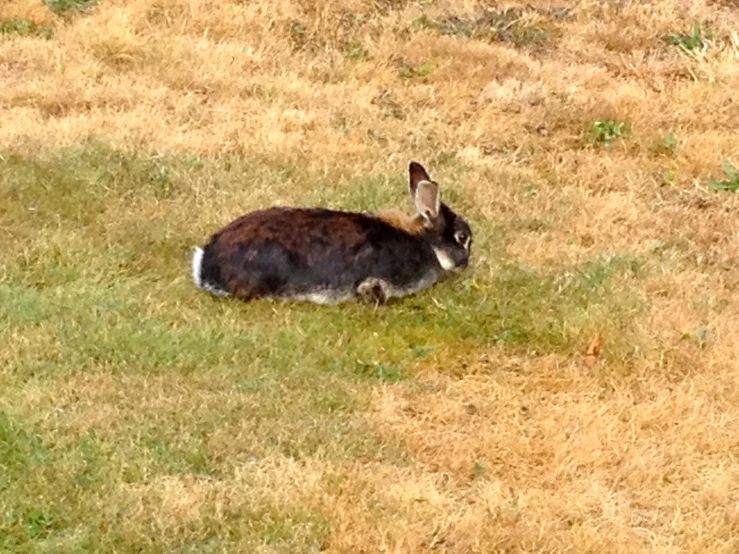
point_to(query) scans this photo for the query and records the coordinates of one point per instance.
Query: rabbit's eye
(462, 238)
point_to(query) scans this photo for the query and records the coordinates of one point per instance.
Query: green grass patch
(699, 37)
(730, 183)
(95, 284)
(25, 27)
(59, 492)
(70, 6)
(125, 292)
(353, 49)
(605, 131)
(420, 72)
(20, 451)
(671, 145)
(504, 25)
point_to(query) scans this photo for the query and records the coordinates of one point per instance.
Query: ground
(591, 145)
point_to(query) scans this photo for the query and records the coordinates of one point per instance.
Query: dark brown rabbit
(330, 256)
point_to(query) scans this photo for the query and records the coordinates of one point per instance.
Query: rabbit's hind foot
(375, 291)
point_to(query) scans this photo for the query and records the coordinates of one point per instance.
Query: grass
(730, 183)
(671, 145)
(353, 49)
(24, 27)
(140, 414)
(605, 131)
(508, 25)
(421, 72)
(81, 187)
(63, 6)
(699, 37)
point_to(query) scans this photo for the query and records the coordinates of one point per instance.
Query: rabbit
(328, 256)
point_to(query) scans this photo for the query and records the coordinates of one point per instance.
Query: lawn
(592, 147)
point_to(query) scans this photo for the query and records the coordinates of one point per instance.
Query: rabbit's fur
(329, 256)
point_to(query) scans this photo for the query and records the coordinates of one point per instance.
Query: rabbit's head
(448, 233)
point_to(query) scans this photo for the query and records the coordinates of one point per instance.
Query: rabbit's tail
(197, 267)
(197, 274)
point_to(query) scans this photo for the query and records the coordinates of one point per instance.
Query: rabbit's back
(314, 253)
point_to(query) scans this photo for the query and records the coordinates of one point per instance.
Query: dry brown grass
(502, 450)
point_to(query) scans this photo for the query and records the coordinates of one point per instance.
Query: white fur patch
(445, 260)
(323, 297)
(197, 262)
(197, 270)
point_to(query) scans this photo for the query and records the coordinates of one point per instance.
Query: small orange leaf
(593, 350)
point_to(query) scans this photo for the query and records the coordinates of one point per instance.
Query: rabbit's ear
(416, 174)
(427, 201)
